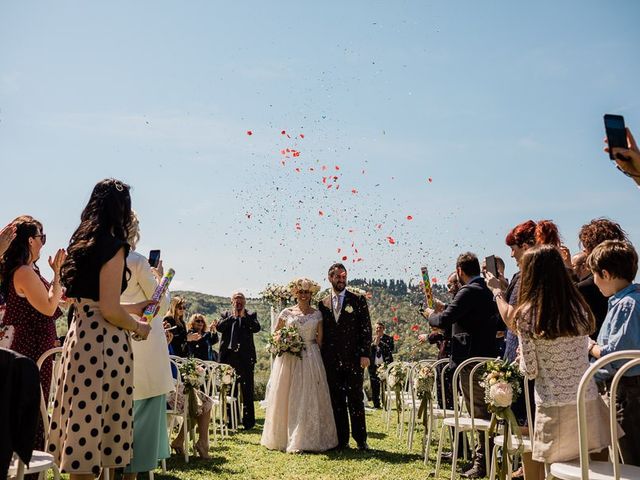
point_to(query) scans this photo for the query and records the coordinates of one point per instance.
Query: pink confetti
(391, 240)
(298, 169)
(298, 227)
(430, 179)
(324, 167)
(409, 217)
(354, 191)
(302, 135)
(337, 167)
(321, 213)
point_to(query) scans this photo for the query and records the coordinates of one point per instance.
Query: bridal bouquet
(501, 381)
(193, 377)
(286, 340)
(276, 294)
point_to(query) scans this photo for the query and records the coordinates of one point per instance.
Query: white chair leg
(150, 474)
(185, 439)
(487, 460)
(439, 451)
(454, 457)
(163, 462)
(105, 474)
(494, 459)
(427, 445)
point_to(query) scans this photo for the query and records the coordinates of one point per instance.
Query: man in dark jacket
(346, 347)
(381, 353)
(472, 317)
(238, 350)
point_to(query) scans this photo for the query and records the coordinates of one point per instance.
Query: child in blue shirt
(614, 265)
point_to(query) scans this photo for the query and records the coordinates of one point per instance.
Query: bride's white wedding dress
(299, 416)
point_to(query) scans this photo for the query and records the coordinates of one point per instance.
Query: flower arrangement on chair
(501, 381)
(193, 377)
(423, 386)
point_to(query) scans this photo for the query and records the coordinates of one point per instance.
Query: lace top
(307, 324)
(557, 365)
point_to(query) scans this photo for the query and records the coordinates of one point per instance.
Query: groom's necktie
(337, 306)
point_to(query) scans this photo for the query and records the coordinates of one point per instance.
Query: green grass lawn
(240, 456)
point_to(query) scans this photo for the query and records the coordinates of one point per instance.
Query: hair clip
(118, 185)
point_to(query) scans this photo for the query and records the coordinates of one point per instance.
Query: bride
(299, 415)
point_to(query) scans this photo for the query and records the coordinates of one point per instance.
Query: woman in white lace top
(554, 324)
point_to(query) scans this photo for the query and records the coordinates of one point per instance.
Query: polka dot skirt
(91, 426)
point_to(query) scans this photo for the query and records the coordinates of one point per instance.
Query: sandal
(178, 448)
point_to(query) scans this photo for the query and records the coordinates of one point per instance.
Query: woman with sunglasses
(31, 301)
(174, 319)
(200, 345)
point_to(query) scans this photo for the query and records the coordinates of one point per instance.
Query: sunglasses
(304, 292)
(43, 237)
(198, 321)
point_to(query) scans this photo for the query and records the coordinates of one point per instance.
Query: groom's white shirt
(337, 300)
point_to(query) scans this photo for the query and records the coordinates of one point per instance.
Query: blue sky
(500, 103)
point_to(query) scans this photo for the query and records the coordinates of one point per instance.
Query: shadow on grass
(380, 455)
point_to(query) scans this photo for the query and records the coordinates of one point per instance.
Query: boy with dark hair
(614, 264)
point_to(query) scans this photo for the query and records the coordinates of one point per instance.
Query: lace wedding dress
(299, 416)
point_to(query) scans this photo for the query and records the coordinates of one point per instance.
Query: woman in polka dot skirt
(91, 426)
(32, 302)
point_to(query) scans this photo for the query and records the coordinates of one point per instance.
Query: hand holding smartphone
(616, 133)
(492, 266)
(154, 258)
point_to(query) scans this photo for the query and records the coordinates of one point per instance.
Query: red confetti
(354, 191)
(379, 226)
(396, 337)
(282, 152)
(344, 258)
(337, 187)
(415, 328)
(430, 179)
(302, 135)
(248, 215)
(298, 170)
(249, 132)
(296, 153)
(324, 179)
(339, 250)
(283, 132)
(329, 186)
(337, 167)
(298, 227)
(391, 240)
(409, 217)
(395, 319)
(321, 213)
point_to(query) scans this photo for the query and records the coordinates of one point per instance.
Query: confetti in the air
(391, 240)
(409, 217)
(249, 132)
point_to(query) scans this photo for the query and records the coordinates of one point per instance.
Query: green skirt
(150, 439)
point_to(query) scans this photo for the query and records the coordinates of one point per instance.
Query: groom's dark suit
(345, 340)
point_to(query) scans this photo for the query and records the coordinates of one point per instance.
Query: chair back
(175, 363)
(45, 403)
(582, 413)
(457, 409)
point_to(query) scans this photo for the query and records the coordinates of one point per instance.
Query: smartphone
(616, 132)
(492, 266)
(154, 258)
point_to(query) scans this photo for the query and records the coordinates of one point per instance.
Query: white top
(151, 368)
(557, 365)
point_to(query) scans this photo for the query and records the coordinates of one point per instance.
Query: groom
(345, 352)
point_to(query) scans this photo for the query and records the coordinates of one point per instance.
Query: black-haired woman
(91, 425)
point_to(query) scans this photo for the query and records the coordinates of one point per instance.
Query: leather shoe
(446, 457)
(475, 472)
(363, 446)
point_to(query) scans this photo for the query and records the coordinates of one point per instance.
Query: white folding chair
(460, 422)
(415, 406)
(583, 469)
(400, 396)
(523, 444)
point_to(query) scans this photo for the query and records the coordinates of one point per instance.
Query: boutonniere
(348, 309)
